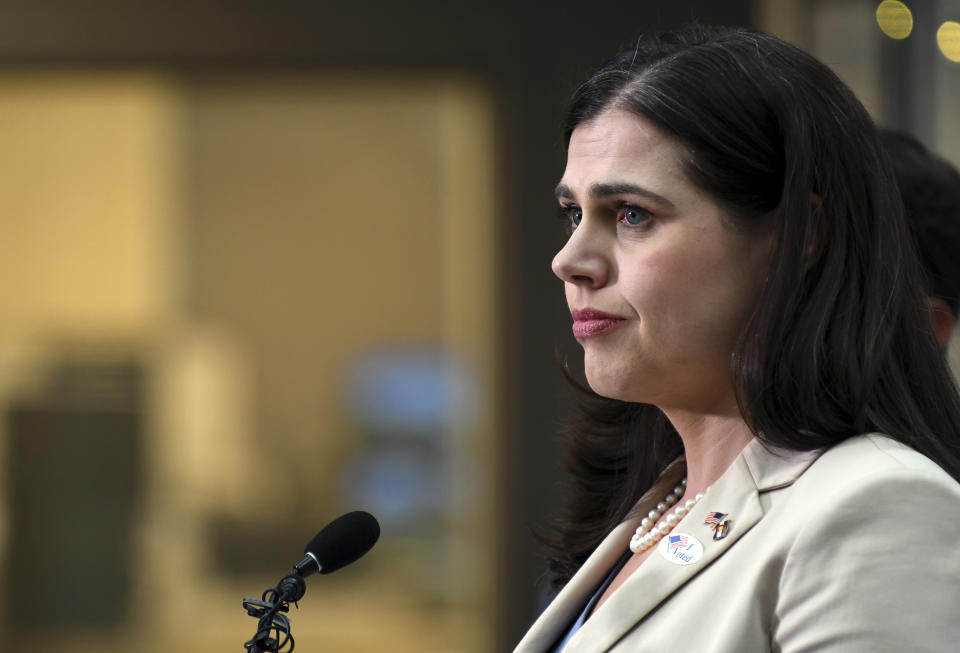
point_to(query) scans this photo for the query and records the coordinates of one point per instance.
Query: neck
(711, 443)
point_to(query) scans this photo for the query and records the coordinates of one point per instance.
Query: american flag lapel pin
(719, 523)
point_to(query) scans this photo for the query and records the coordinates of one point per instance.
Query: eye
(632, 215)
(573, 214)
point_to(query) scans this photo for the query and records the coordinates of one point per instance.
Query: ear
(942, 319)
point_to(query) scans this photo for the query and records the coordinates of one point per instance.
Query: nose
(582, 261)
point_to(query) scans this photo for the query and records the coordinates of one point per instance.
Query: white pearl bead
(649, 532)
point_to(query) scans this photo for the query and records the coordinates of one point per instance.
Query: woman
(771, 461)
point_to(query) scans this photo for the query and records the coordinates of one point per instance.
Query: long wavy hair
(839, 342)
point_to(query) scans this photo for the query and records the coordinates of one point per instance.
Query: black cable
(273, 628)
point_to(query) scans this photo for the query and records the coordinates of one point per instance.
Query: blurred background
(265, 263)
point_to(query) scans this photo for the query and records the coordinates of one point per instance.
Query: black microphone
(342, 541)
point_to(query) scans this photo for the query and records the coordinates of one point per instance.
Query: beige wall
(87, 203)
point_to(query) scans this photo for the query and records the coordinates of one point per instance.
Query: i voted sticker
(680, 549)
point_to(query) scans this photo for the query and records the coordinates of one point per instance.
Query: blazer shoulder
(865, 473)
(871, 530)
(873, 458)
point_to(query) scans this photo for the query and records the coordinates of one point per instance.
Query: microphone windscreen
(344, 540)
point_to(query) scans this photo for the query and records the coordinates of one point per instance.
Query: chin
(611, 388)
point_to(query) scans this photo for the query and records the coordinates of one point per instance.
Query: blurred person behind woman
(767, 458)
(930, 188)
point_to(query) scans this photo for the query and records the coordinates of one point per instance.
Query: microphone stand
(340, 542)
(268, 611)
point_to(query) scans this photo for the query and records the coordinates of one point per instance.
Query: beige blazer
(855, 550)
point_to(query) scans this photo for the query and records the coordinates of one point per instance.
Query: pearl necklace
(649, 532)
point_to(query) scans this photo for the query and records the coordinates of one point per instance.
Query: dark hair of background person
(930, 188)
(839, 342)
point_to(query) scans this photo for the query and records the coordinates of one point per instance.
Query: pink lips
(589, 322)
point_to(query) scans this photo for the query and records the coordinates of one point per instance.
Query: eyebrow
(599, 191)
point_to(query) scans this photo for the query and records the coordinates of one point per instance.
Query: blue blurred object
(409, 403)
(405, 488)
(410, 390)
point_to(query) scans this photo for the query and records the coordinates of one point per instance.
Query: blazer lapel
(565, 607)
(737, 495)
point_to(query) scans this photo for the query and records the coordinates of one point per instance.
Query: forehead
(620, 146)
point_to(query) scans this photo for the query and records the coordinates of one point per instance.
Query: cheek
(665, 281)
(686, 296)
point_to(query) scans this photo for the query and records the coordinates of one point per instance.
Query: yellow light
(895, 19)
(948, 38)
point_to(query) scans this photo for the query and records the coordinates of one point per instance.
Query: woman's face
(658, 283)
